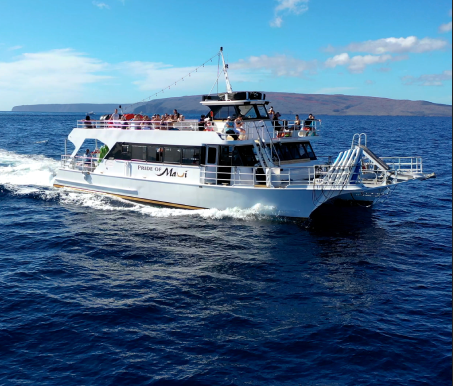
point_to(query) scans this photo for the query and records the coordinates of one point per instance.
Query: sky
(127, 51)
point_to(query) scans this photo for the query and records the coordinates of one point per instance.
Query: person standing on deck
(115, 118)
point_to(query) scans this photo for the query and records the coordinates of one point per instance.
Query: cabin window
(225, 155)
(138, 153)
(294, 151)
(212, 156)
(310, 152)
(224, 112)
(244, 156)
(191, 156)
(172, 155)
(119, 151)
(262, 111)
(155, 154)
(248, 112)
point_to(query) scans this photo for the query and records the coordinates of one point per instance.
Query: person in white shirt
(115, 118)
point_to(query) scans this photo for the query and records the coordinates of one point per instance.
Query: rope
(174, 83)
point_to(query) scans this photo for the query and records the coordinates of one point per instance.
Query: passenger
(87, 159)
(124, 123)
(136, 122)
(239, 122)
(240, 127)
(230, 130)
(87, 122)
(115, 118)
(271, 113)
(163, 122)
(156, 122)
(201, 123)
(145, 125)
(176, 114)
(309, 124)
(276, 123)
(297, 123)
(181, 118)
(208, 124)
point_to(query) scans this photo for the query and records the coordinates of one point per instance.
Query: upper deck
(263, 130)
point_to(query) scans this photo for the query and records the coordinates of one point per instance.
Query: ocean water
(99, 291)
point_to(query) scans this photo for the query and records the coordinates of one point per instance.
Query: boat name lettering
(147, 168)
(171, 173)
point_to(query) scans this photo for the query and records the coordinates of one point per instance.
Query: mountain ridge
(285, 103)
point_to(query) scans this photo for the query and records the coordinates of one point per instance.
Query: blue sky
(123, 51)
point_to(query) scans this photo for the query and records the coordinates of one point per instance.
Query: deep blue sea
(99, 291)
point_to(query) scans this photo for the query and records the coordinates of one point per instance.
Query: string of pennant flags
(173, 84)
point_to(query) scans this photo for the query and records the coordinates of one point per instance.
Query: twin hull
(288, 202)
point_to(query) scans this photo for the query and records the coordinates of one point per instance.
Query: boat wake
(32, 176)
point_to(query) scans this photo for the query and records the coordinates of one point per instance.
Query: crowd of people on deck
(137, 121)
(233, 127)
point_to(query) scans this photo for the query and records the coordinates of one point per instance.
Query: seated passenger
(230, 130)
(136, 122)
(297, 123)
(124, 123)
(310, 123)
(87, 122)
(201, 123)
(146, 125)
(208, 124)
(181, 118)
(156, 122)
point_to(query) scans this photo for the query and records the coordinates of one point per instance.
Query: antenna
(225, 71)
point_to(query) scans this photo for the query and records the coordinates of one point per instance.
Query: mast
(225, 71)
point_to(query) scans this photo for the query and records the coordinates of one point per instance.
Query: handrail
(287, 129)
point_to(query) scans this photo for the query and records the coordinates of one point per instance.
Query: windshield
(262, 111)
(248, 112)
(294, 151)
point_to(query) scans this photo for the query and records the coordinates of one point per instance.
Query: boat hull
(288, 202)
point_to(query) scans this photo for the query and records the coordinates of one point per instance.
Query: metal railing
(404, 164)
(268, 129)
(299, 176)
(82, 164)
(189, 125)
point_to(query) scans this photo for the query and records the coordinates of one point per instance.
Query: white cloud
(370, 82)
(428, 79)
(15, 48)
(277, 22)
(279, 65)
(356, 64)
(101, 5)
(444, 28)
(295, 7)
(411, 44)
(55, 76)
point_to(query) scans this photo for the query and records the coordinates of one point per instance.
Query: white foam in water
(35, 174)
(107, 203)
(23, 172)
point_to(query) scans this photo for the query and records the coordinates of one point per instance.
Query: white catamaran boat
(200, 165)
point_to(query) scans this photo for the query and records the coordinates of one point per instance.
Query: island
(285, 103)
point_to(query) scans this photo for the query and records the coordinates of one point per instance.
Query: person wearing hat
(230, 130)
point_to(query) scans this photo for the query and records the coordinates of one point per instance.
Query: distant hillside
(285, 103)
(317, 104)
